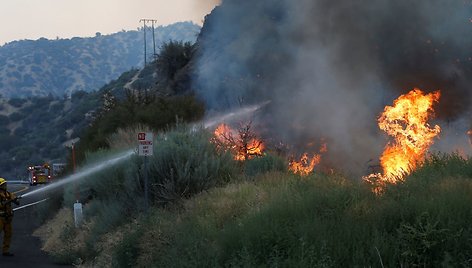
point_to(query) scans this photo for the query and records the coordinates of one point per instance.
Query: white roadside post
(145, 141)
(78, 214)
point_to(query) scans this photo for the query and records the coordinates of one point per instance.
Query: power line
(145, 41)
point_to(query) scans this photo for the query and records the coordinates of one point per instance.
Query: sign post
(145, 140)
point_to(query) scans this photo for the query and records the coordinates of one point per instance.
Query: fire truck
(45, 173)
(39, 174)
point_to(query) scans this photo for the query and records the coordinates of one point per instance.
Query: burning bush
(407, 122)
(243, 143)
(307, 164)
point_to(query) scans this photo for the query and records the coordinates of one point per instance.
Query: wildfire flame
(406, 122)
(306, 165)
(243, 144)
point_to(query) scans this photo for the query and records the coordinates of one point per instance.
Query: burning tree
(407, 122)
(243, 143)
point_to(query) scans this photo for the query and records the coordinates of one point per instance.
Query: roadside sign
(145, 149)
(145, 143)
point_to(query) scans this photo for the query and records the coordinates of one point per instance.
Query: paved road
(27, 249)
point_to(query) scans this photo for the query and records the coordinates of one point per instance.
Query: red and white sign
(145, 140)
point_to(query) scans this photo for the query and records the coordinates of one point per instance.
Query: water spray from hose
(83, 173)
(211, 122)
(31, 204)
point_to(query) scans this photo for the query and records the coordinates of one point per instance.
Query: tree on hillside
(109, 101)
(173, 57)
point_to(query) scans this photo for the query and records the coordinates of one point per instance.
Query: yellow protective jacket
(6, 198)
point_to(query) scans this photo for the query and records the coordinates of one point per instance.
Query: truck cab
(39, 174)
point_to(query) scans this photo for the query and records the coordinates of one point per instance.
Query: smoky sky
(329, 67)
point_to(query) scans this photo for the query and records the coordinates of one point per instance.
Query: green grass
(259, 216)
(281, 220)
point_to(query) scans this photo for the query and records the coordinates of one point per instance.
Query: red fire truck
(39, 174)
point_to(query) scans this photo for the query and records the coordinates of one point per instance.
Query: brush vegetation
(208, 210)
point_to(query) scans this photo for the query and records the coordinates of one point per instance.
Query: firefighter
(6, 215)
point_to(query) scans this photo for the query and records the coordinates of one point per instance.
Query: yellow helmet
(2, 181)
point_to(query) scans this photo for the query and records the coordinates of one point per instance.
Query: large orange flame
(407, 122)
(243, 144)
(306, 165)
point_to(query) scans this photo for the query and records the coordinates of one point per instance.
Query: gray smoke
(329, 67)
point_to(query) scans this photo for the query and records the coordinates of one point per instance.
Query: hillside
(63, 66)
(37, 129)
(210, 207)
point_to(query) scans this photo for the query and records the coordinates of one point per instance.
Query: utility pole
(144, 31)
(153, 38)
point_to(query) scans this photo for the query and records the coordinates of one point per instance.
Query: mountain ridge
(63, 66)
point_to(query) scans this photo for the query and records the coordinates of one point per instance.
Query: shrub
(267, 163)
(440, 165)
(174, 56)
(127, 252)
(17, 116)
(327, 221)
(186, 163)
(17, 102)
(111, 196)
(112, 192)
(421, 242)
(4, 120)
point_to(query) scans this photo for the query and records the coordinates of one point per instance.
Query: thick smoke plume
(329, 67)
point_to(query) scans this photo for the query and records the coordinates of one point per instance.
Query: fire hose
(29, 205)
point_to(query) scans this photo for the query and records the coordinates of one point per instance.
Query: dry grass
(50, 233)
(52, 236)
(60, 238)
(107, 245)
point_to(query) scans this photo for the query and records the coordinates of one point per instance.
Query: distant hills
(60, 67)
(52, 90)
(35, 130)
